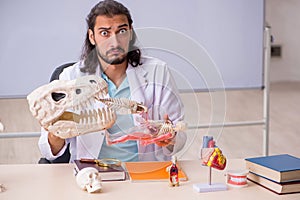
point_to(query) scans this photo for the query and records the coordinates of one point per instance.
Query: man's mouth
(115, 51)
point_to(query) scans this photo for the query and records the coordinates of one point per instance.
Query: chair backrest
(59, 69)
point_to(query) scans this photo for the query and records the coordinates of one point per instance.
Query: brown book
(113, 173)
(279, 188)
(152, 171)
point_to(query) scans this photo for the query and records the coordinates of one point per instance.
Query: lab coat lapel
(138, 82)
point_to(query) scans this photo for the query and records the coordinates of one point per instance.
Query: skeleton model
(68, 109)
(89, 179)
(147, 133)
(124, 106)
(65, 108)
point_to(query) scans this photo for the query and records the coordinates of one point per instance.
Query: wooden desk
(57, 181)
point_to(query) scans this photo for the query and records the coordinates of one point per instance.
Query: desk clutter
(27, 181)
(91, 172)
(156, 171)
(278, 173)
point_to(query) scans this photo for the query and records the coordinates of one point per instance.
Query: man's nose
(113, 40)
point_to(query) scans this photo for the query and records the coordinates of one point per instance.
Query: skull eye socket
(93, 81)
(57, 96)
(78, 91)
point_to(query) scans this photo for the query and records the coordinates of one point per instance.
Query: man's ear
(91, 37)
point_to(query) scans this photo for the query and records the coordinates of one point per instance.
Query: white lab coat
(150, 83)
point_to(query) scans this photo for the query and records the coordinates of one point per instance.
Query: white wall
(284, 18)
(49, 36)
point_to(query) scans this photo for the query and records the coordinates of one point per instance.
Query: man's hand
(169, 142)
(56, 143)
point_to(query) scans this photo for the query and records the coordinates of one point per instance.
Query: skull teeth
(99, 116)
(87, 113)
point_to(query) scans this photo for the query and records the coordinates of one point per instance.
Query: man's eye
(122, 31)
(104, 33)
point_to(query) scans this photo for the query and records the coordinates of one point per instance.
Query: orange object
(151, 171)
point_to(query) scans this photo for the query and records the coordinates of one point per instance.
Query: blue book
(279, 168)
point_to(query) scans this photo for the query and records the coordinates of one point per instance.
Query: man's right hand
(56, 143)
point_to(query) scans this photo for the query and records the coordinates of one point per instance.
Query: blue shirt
(127, 151)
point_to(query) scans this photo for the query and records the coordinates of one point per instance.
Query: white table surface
(57, 181)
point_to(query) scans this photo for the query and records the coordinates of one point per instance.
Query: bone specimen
(67, 108)
(124, 106)
(89, 179)
(147, 132)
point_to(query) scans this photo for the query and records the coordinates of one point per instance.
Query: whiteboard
(36, 36)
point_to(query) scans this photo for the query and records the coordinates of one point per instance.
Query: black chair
(58, 70)
(64, 158)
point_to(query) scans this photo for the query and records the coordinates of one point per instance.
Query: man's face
(111, 36)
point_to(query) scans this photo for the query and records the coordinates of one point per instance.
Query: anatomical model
(68, 108)
(89, 179)
(211, 155)
(173, 173)
(147, 132)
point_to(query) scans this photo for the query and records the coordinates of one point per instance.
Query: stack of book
(278, 173)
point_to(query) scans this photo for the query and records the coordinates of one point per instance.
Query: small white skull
(89, 179)
(1, 127)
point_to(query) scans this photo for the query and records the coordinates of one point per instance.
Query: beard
(114, 58)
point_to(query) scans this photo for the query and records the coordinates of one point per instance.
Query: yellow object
(105, 162)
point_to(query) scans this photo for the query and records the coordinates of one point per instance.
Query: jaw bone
(71, 124)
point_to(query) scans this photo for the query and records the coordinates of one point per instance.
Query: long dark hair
(89, 54)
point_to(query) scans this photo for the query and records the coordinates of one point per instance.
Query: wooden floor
(201, 109)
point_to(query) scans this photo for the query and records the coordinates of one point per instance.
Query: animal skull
(89, 179)
(66, 108)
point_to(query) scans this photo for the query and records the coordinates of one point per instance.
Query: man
(109, 52)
